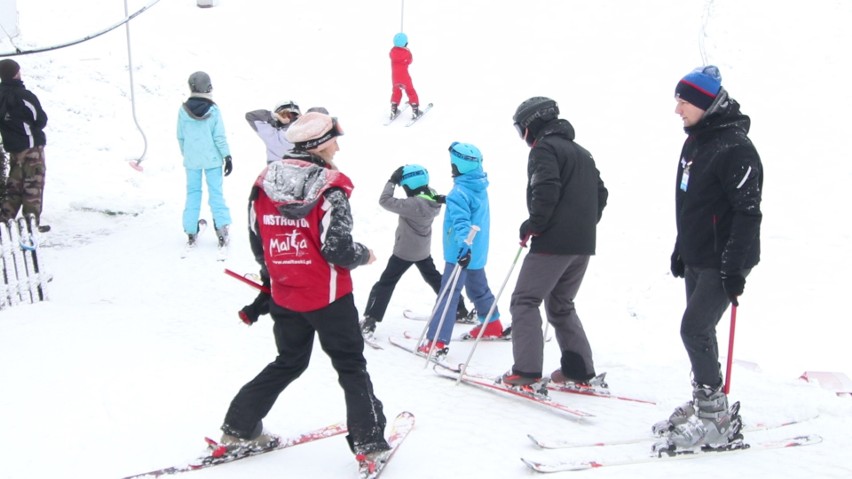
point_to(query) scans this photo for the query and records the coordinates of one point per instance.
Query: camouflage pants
(25, 185)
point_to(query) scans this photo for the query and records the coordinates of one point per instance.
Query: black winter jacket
(718, 191)
(21, 117)
(565, 193)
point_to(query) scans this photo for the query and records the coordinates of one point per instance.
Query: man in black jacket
(22, 121)
(717, 207)
(565, 200)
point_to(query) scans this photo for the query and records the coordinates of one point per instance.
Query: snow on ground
(137, 354)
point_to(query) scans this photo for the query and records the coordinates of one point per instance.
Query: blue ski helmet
(414, 176)
(400, 40)
(465, 157)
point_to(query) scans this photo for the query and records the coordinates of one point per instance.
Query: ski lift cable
(18, 51)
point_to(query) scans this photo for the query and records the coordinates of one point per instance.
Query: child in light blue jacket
(201, 136)
(467, 206)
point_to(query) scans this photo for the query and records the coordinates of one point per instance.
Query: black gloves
(734, 284)
(259, 306)
(441, 199)
(464, 257)
(228, 165)
(677, 267)
(526, 230)
(396, 177)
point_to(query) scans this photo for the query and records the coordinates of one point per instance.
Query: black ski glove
(525, 230)
(228, 165)
(464, 257)
(734, 284)
(396, 177)
(441, 199)
(677, 266)
(258, 307)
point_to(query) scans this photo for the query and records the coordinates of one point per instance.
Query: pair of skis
(219, 454)
(655, 453)
(23, 278)
(222, 251)
(402, 108)
(586, 464)
(445, 369)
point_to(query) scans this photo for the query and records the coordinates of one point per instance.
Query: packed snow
(137, 353)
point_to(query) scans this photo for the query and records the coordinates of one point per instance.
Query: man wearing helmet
(565, 200)
(271, 127)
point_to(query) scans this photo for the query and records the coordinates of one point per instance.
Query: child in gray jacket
(413, 243)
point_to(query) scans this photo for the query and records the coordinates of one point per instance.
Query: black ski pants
(706, 302)
(340, 338)
(380, 295)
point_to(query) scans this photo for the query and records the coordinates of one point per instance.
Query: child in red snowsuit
(400, 57)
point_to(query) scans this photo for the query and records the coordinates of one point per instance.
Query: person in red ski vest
(401, 57)
(300, 231)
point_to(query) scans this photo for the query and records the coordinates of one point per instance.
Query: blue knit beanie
(700, 86)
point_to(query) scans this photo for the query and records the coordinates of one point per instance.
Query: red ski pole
(730, 348)
(246, 280)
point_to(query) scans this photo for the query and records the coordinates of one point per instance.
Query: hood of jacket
(296, 183)
(198, 107)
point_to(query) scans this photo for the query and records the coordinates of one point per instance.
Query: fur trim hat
(8, 69)
(312, 130)
(700, 86)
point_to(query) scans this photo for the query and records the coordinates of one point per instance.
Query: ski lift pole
(491, 310)
(133, 164)
(456, 273)
(727, 388)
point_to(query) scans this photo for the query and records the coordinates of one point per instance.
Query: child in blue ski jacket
(467, 206)
(201, 136)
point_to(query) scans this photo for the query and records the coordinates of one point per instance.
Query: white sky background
(138, 353)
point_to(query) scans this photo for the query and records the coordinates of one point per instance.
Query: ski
(469, 319)
(466, 337)
(550, 443)
(18, 268)
(10, 279)
(220, 454)
(585, 464)
(371, 469)
(399, 110)
(370, 340)
(202, 225)
(538, 397)
(421, 115)
(27, 248)
(29, 242)
(596, 387)
(438, 361)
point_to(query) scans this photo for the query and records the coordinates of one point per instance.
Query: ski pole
(247, 281)
(492, 309)
(447, 287)
(730, 349)
(451, 282)
(456, 273)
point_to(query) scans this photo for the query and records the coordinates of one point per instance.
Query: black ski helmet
(199, 82)
(537, 107)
